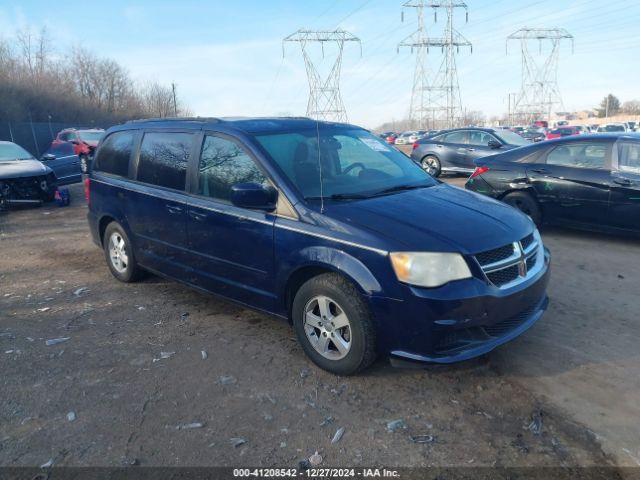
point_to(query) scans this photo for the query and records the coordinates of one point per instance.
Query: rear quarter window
(163, 159)
(114, 154)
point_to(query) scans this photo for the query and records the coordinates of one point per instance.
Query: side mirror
(254, 196)
(494, 144)
(47, 157)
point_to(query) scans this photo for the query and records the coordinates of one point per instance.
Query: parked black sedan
(455, 150)
(586, 181)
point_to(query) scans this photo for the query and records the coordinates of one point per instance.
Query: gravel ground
(156, 374)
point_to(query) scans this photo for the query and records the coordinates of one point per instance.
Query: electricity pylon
(438, 100)
(539, 92)
(325, 101)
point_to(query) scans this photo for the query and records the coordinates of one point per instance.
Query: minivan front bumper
(460, 321)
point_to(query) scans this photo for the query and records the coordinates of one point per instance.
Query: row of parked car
(406, 138)
(536, 133)
(27, 180)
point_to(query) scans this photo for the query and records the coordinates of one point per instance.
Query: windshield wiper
(342, 196)
(400, 188)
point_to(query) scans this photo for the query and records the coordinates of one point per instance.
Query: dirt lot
(109, 396)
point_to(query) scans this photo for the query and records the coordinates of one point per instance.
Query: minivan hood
(22, 168)
(439, 218)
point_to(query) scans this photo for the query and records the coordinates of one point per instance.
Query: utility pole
(325, 100)
(439, 99)
(175, 102)
(539, 92)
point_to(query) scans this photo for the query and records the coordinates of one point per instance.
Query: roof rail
(169, 119)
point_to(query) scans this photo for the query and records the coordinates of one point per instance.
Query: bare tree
(77, 88)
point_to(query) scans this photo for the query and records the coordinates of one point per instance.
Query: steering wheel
(352, 166)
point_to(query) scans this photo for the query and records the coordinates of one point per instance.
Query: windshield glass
(352, 162)
(91, 136)
(614, 128)
(512, 138)
(11, 151)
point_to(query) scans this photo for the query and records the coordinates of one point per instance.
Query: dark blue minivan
(322, 224)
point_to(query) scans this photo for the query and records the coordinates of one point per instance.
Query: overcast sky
(226, 56)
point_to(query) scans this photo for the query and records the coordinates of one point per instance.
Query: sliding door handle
(198, 216)
(173, 209)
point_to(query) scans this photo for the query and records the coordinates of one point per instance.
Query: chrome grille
(504, 275)
(495, 255)
(510, 264)
(527, 241)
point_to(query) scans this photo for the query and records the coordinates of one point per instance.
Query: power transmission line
(325, 101)
(539, 92)
(436, 103)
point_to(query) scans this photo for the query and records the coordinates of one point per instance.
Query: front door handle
(197, 215)
(172, 209)
(622, 181)
(540, 170)
(471, 149)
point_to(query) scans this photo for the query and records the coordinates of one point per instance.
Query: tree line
(39, 84)
(611, 105)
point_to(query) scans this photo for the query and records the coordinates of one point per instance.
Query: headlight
(429, 269)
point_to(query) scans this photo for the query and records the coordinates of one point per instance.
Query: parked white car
(612, 127)
(404, 138)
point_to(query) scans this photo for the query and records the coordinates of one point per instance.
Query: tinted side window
(163, 159)
(114, 154)
(223, 163)
(455, 137)
(480, 138)
(629, 157)
(580, 155)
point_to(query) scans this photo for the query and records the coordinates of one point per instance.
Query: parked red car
(84, 141)
(562, 132)
(391, 138)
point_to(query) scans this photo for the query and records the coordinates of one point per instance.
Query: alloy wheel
(118, 252)
(430, 165)
(327, 327)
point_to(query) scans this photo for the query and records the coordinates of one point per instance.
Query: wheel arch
(105, 219)
(520, 189)
(321, 260)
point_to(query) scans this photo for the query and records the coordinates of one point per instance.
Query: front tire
(431, 165)
(333, 325)
(526, 203)
(119, 254)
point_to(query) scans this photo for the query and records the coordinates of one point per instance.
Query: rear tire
(526, 203)
(431, 165)
(119, 254)
(333, 325)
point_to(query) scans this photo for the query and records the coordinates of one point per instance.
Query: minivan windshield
(351, 162)
(11, 151)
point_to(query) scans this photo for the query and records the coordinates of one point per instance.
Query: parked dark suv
(322, 224)
(454, 151)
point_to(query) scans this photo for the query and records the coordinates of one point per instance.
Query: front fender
(340, 262)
